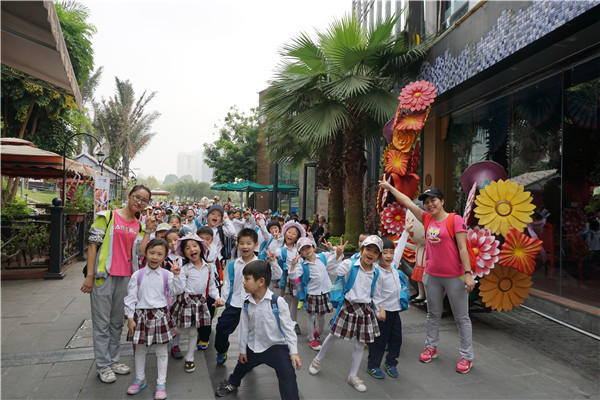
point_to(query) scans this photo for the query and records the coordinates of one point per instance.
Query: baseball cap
(431, 192)
(163, 227)
(305, 241)
(373, 239)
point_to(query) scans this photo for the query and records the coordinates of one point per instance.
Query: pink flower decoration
(470, 200)
(485, 247)
(392, 218)
(417, 96)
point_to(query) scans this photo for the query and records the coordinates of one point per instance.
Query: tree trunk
(354, 170)
(34, 123)
(336, 186)
(24, 124)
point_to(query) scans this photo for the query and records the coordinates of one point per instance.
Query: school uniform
(290, 285)
(262, 341)
(204, 331)
(191, 308)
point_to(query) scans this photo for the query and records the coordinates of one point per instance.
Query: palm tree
(123, 122)
(338, 89)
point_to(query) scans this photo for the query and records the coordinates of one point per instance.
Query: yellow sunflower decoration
(504, 288)
(503, 205)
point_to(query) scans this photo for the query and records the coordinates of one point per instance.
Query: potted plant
(76, 208)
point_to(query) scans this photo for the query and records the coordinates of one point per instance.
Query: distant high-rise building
(193, 164)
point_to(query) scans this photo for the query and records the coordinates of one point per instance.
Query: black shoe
(225, 389)
(297, 329)
(190, 366)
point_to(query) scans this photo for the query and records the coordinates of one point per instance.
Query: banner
(323, 202)
(101, 191)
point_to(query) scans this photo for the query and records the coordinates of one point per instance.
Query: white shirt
(151, 293)
(212, 254)
(361, 291)
(291, 253)
(175, 258)
(266, 235)
(190, 227)
(238, 291)
(196, 280)
(259, 329)
(387, 294)
(319, 282)
(228, 231)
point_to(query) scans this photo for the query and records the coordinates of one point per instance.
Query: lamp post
(116, 169)
(100, 153)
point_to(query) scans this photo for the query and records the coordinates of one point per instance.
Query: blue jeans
(228, 321)
(391, 335)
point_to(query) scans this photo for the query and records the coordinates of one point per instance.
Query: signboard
(101, 190)
(323, 202)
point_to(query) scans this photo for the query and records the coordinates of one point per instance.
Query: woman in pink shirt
(447, 270)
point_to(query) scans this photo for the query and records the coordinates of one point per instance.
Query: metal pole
(275, 180)
(56, 246)
(64, 155)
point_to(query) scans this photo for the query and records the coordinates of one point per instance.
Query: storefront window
(525, 132)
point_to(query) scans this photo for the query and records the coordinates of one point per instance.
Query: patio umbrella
(222, 186)
(283, 188)
(247, 186)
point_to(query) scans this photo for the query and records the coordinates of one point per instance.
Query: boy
(265, 337)
(232, 294)
(222, 228)
(204, 332)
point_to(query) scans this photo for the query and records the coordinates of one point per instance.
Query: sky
(201, 57)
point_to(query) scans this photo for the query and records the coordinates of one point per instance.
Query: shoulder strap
(426, 220)
(275, 308)
(207, 281)
(140, 277)
(231, 273)
(375, 276)
(246, 305)
(165, 275)
(351, 277)
(323, 258)
(450, 224)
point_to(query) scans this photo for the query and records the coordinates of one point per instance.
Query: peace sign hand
(340, 249)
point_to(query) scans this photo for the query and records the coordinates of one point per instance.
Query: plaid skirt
(152, 326)
(291, 287)
(318, 304)
(356, 320)
(190, 310)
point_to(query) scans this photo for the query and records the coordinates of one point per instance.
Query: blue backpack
(306, 277)
(264, 246)
(404, 292)
(283, 264)
(340, 287)
(231, 273)
(275, 308)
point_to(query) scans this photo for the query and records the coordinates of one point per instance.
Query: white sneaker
(315, 366)
(357, 383)
(107, 376)
(120, 369)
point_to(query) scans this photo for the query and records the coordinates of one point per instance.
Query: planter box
(77, 217)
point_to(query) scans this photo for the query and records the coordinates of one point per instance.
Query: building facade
(193, 164)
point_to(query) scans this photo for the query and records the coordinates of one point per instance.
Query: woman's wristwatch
(469, 272)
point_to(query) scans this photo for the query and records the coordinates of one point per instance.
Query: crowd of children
(196, 259)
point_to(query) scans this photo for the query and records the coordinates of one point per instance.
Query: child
(318, 284)
(361, 238)
(204, 332)
(190, 310)
(355, 316)
(266, 334)
(387, 295)
(232, 295)
(175, 221)
(172, 236)
(148, 320)
(191, 224)
(222, 229)
(292, 231)
(161, 230)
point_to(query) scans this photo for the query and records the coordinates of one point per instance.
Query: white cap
(373, 239)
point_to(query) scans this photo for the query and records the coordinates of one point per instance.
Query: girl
(447, 270)
(172, 259)
(115, 237)
(292, 231)
(148, 320)
(317, 288)
(355, 317)
(190, 310)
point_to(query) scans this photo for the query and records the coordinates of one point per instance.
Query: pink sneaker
(463, 366)
(316, 334)
(313, 344)
(136, 386)
(161, 392)
(428, 354)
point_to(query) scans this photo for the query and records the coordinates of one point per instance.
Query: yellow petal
(504, 226)
(511, 190)
(485, 199)
(521, 197)
(492, 192)
(485, 219)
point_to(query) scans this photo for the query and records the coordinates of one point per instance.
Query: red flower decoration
(519, 251)
(412, 122)
(470, 200)
(417, 96)
(392, 218)
(485, 247)
(395, 161)
(416, 156)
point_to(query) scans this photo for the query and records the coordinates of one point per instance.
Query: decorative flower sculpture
(392, 218)
(519, 251)
(413, 121)
(403, 139)
(485, 247)
(470, 200)
(417, 96)
(416, 157)
(395, 161)
(504, 288)
(503, 205)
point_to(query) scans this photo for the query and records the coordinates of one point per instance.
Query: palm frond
(349, 86)
(321, 121)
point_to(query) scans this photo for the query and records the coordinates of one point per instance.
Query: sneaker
(297, 329)
(190, 366)
(120, 369)
(225, 389)
(202, 345)
(316, 334)
(300, 305)
(313, 344)
(276, 284)
(376, 373)
(463, 366)
(221, 358)
(107, 376)
(428, 354)
(136, 386)
(315, 366)
(161, 392)
(357, 383)
(176, 353)
(391, 370)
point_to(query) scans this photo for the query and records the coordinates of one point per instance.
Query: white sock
(162, 362)
(320, 323)
(327, 344)
(359, 347)
(191, 334)
(140, 361)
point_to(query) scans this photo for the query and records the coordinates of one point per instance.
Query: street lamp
(118, 162)
(64, 155)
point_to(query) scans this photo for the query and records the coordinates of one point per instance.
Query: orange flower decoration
(413, 121)
(504, 288)
(395, 161)
(404, 139)
(519, 251)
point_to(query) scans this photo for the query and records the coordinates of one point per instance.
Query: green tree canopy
(233, 155)
(169, 179)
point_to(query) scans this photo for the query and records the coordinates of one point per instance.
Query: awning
(158, 192)
(535, 180)
(32, 42)
(283, 188)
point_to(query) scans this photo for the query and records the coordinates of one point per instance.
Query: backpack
(231, 273)
(306, 277)
(450, 226)
(165, 276)
(337, 296)
(223, 243)
(404, 291)
(275, 308)
(262, 252)
(283, 264)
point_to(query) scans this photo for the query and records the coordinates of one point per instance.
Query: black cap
(432, 192)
